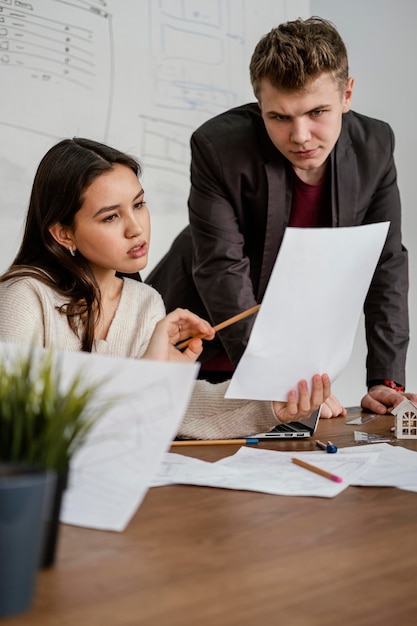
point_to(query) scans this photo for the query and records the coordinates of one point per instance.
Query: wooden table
(202, 556)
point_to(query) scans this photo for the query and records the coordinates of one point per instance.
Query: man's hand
(381, 399)
(301, 407)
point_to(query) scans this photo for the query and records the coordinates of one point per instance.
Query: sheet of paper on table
(270, 471)
(311, 308)
(266, 471)
(395, 466)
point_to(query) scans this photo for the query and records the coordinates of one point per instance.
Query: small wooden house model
(405, 420)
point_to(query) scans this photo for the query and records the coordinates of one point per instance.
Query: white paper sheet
(395, 467)
(271, 471)
(310, 311)
(266, 471)
(111, 473)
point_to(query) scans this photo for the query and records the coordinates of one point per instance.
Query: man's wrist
(388, 383)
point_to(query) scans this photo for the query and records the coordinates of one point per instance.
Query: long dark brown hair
(63, 176)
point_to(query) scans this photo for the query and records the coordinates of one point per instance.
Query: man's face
(304, 125)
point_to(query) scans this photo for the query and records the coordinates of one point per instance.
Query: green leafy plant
(41, 420)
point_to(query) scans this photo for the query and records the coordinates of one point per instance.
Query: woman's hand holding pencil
(168, 344)
(229, 322)
(171, 329)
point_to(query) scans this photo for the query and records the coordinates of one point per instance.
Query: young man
(299, 157)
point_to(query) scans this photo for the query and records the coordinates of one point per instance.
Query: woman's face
(112, 227)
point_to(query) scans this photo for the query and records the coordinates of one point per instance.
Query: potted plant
(44, 418)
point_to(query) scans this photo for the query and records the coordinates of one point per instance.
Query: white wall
(382, 47)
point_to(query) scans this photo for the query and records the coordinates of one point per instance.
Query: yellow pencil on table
(229, 322)
(214, 442)
(317, 470)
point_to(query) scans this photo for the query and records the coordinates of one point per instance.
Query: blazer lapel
(278, 212)
(344, 182)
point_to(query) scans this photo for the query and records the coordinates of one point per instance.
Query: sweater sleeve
(21, 313)
(210, 415)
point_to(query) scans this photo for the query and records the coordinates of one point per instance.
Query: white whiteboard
(138, 74)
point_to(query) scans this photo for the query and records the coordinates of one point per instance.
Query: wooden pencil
(214, 442)
(229, 322)
(317, 470)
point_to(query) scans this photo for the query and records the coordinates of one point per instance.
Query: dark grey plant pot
(22, 500)
(50, 523)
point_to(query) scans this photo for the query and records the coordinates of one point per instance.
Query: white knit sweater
(29, 315)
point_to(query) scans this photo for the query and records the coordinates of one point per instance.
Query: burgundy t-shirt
(310, 205)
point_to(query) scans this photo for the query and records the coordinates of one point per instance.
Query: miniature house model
(405, 420)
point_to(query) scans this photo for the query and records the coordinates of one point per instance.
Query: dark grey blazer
(239, 206)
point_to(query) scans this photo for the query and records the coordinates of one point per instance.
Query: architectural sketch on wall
(56, 76)
(56, 53)
(164, 145)
(198, 68)
(195, 72)
(197, 60)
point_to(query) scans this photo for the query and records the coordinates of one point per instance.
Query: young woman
(88, 227)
